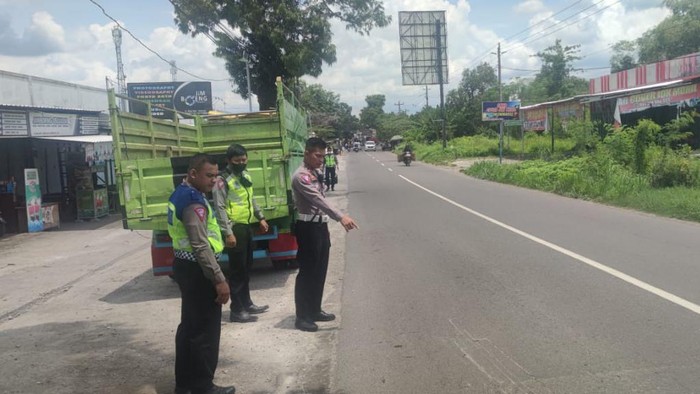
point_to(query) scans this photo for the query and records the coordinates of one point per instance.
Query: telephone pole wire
(399, 104)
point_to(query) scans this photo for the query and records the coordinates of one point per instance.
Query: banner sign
(499, 110)
(32, 190)
(658, 98)
(14, 124)
(535, 119)
(46, 124)
(189, 97)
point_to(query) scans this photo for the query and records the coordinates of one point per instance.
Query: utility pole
(500, 98)
(438, 41)
(247, 77)
(426, 97)
(173, 70)
(399, 104)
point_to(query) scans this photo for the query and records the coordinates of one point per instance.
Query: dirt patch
(462, 164)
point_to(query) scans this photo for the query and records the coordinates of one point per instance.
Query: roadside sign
(517, 122)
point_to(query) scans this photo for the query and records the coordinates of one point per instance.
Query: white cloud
(529, 7)
(41, 37)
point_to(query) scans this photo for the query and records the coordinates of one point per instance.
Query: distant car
(370, 145)
(386, 146)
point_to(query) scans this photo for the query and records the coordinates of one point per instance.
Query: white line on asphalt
(620, 275)
(382, 164)
(390, 170)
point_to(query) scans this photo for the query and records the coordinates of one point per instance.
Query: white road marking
(611, 271)
(390, 170)
(382, 164)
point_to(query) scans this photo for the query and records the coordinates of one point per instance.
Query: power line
(542, 21)
(565, 26)
(148, 48)
(484, 54)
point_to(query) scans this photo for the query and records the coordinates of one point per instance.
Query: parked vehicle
(151, 158)
(370, 145)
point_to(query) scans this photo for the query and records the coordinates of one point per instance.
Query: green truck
(151, 157)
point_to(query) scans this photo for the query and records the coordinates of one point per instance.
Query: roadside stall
(54, 166)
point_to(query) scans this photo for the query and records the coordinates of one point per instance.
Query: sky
(71, 40)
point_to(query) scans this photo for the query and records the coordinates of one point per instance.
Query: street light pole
(247, 77)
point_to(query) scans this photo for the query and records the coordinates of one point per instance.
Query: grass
(598, 180)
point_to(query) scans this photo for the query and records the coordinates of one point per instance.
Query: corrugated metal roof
(46, 109)
(81, 138)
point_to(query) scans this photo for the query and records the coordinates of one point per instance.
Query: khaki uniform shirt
(309, 196)
(195, 220)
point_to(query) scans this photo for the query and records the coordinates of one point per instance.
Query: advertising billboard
(499, 110)
(193, 98)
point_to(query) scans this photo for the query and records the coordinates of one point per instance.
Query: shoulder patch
(305, 179)
(201, 213)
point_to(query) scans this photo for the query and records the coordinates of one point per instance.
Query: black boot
(305, 325)
(242, 317)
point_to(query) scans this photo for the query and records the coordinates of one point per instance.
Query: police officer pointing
(196, 241)
(313, 238)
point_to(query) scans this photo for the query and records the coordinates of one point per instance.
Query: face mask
(238, 168)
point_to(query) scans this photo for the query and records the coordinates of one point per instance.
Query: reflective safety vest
(182, 197)
(330, 160)
(240, 200)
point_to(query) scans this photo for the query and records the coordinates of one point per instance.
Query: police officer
(330, 162)
(313, 239)
(196, 242)
(236, 211)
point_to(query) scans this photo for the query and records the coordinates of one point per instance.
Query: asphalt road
(459, 285)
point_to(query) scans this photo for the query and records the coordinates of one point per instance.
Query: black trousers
(240, 260)
(330, 178)
(199, 332)
(314, 245)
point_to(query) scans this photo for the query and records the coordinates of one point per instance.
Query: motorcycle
(356, 149)
(407, 157)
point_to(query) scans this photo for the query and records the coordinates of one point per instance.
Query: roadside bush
(671, 168)
(584, 136)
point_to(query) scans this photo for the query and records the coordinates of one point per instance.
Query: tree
(555, 73)
(330, 118)
(392, 124)
(677, 35)
(370, 115)
(464, 103)
(279, 37)
(624, 56)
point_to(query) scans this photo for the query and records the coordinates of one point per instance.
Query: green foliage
(645, 132)
(624, 56)
(584, 135)
(281, 38)
(392, 124)
(329, 117)
(555, 74)
(370, 116)
(463, 104)
(677, 35)
(670, 168)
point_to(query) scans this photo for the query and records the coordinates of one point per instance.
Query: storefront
(55, 165)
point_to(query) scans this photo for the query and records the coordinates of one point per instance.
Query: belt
(303, 217)
(189, 256)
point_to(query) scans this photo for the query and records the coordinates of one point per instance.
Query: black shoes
(242, 317)
(323, 316)
(305, 325)
(221, 390)
(213, 390)
(254, 309)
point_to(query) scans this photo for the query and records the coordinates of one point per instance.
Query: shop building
(55, 152)
(659, 91)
